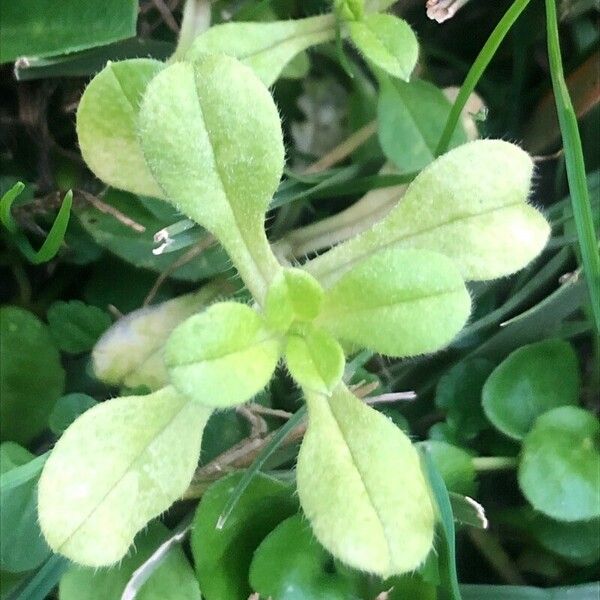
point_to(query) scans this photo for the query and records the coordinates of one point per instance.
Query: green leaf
(454, 465)
(587, 591)
(106, 125)
(222, 556)
(291, 564)
(45, 27)
(22, 546)
(264, 47)
(469, 204)
(397, 302)
(529, 382)
(205, 350)
(76, 326)
(119, 465)
(173, 579)
(559, 471)
(293, 295)
(387, 42)
(361, 486)
(410, 118)
(130, 353)
(31, 376)
(212, 137)
(315, 360)
(137, 247)
(458, 392)
(67, 409)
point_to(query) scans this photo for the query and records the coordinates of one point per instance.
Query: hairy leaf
(116, 467)
(388, 42)
(223, 356)
(212, 137)
(130, 353)
(398, 302)
(31, 376)
(315, 360)
(470, 205)
(361, 486)
(106, 125)
(559, 471)
(264, 47)
(531, 381)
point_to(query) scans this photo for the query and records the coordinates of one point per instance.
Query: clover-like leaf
(107, 125)
(264, 47)
(120, 464)
(386, 41)
(211, 135)
(131, 352)
(361, 486)
(469, 204)
(293, 295)
(315, 359)
(398, 302)
(529, 382)
(559, 472)
(223, 356)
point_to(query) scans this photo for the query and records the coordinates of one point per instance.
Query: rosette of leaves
(207, 137)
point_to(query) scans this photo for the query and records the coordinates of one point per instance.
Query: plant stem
(494, 463)
(576, 175)
(476, 71)
(196, 20)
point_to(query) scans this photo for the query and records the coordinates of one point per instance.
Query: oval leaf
(388, 42)
(361, 486)
(223, 356)
(264, 47)
(531, 381)
(398, 302)
(107, 121)
(559, 471)
(469, 204)
(119, 465)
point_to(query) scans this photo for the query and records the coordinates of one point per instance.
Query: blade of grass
(477, 70)
(582, 210)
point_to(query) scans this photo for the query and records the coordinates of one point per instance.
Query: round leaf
(67, 409)
(119, 465)
(398, 302)
(106, 125)
(532, 380)
(31, 376)
(469, 204)
(222, 556)
(386, 41)
(173, 578)
(454, 465)
(559, 471)
(361, 486)
(223, 356)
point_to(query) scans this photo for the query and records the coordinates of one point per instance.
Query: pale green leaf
(106, 125)
(559, 471)
(118, 466)
(469, 204)
(529, 382)
(265, 47)
(398, 302)
(223, 356)
(130, 353)
(388, 42)
(361, 486)
(293, 295)
(212, 137)
(315, 360)
(173, 578)
(410, 120)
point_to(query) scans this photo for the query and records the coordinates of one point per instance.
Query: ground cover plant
(289, 316)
